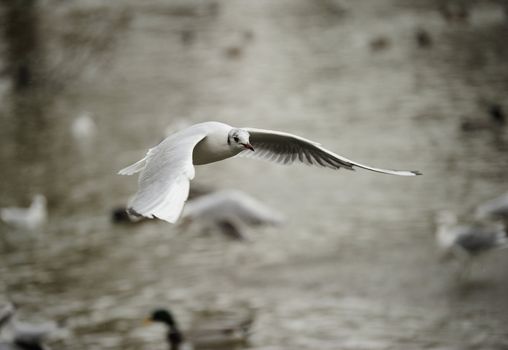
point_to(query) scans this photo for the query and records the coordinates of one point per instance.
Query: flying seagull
(166, 170)
(464, 242)
(230, 211)
(26, 218)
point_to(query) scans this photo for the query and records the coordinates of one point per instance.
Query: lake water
(355, 266)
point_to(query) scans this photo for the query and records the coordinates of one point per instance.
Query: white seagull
(464, 242)
(83, 127)
(230, 211)
(27, 218)
(22, 335)
(167, 168)
(84, 130)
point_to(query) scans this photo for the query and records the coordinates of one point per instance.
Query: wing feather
(286, 148)
(164, 179)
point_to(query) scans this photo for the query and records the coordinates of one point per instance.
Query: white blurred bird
(27, 218)
(494, 208)
(168, 167)
(466, 242)
(83, 129)
(229, 211)
(22, 335)
(31, 336)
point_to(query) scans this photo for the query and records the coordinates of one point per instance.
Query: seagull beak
(248, 146)
(147, 321)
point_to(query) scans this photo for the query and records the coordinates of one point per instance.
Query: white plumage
(23, 335)
(230, 210)
(83, 128)
(27, 218)
(465, 242)
(167, 168)
(231, 205)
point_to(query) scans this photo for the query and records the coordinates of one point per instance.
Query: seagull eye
(236, 138)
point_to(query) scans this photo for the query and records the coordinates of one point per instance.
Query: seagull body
(465, 242)
(167, 168)
(83, 128)
(229, 210)
(471, 239)
(26, 218)
(23, 336)
(27, 333)
(231, 205)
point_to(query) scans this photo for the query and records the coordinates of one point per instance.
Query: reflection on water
(355, 267)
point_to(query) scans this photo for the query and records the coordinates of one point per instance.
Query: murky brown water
(355, 266)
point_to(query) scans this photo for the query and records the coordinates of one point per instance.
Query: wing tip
(133, 212)
(407, 172)
(133, 168)
(124, 171)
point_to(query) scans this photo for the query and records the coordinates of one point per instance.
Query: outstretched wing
(286, 148)
(164, 180)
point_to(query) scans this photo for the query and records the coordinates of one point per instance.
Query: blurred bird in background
(18, 335)
(83, 131)
(466, 242)
(210, 329)
(29, 218)
(230, 212)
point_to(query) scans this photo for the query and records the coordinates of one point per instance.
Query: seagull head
(39, 200)
(239, 139)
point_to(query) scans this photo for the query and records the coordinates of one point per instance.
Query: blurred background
(87, 86)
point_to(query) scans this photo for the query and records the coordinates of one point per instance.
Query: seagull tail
(134, 168)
